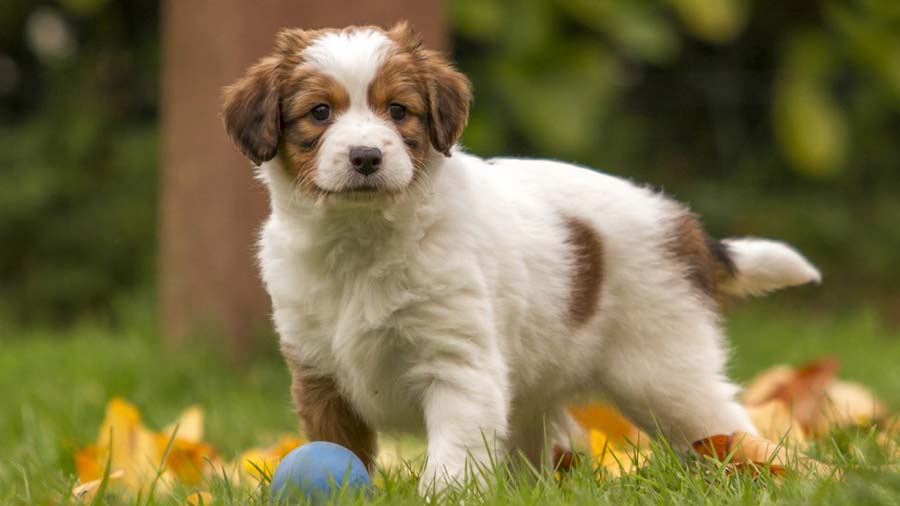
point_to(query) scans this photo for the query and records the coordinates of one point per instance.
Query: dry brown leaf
(847, 403)
(805, 393)
(774, 421)
(749, 453)
(741, 449)
(816, 400)
(762, 387)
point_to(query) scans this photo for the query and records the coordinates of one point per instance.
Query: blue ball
(316, 470)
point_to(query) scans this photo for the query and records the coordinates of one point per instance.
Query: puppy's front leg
(466, 420)
(327, 416)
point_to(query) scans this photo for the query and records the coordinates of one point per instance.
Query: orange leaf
(745, 450)
(188, 460)
(604, 418)
(87, 465)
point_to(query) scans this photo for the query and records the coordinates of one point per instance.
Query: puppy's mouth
(358, 194)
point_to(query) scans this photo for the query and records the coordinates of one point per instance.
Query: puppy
(418, 287)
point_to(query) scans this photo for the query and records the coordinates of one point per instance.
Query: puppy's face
(353, 112)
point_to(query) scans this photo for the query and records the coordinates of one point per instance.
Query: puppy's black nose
(365, 160)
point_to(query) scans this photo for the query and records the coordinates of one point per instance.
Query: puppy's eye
(321, 112)
(397, 112)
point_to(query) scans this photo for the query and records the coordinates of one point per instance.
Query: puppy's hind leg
(668, 377)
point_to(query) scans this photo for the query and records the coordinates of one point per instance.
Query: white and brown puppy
(416, 286)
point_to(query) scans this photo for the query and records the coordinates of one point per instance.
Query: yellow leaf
(89, 489)
(774, 421)
(618, 455)
(189, 425)
(200, 499)
(616, 443)
(255, 461)
(127, 444)
(138, 452)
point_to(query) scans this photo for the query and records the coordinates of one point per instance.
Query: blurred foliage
(771, 118)
(78, 151)
(779, 119)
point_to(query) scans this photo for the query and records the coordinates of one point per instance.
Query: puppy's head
(350, 112)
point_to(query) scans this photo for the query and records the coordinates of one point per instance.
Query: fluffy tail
(762, 265)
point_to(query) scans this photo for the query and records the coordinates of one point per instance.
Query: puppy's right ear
(251, 112)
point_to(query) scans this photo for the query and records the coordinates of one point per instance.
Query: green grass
(54, 386)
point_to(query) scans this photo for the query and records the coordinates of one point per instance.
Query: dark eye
(397, 112)
(321, 112)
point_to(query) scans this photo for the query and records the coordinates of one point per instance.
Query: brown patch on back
(327, 416)
(587, 271)
(706, 260)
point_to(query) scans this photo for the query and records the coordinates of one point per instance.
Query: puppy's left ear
(449, 99)
(449, 91)
(251, 113)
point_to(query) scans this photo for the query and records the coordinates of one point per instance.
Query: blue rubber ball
(316, 471)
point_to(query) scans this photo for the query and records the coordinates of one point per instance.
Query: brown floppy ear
(449, 92)
(251, 112)
(449, 99)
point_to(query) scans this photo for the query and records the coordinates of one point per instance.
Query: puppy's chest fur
(349, 304)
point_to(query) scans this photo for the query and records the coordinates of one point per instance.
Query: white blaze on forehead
(352, 58)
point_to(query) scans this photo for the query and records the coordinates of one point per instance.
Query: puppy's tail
(759, 266)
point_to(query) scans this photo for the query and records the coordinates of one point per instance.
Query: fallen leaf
(188, 461)
(847, 403)
(126, 443)
(200, 499)
(816, 400)
(188, 426)
(741, 449)
(774, 421)
(805, 392)
(257, 462)
(140, 453)
(89, 489)
(748, 453)
(763, 386)
(617, 444)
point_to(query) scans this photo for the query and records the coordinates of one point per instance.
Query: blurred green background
(779, 119)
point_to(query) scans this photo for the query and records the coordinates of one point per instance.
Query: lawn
(55, 385)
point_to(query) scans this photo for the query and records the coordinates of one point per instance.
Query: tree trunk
(211, 206)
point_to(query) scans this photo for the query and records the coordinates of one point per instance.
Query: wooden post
(211, 206)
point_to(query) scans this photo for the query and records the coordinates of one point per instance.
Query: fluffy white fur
(443, 308)
(764, 266)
